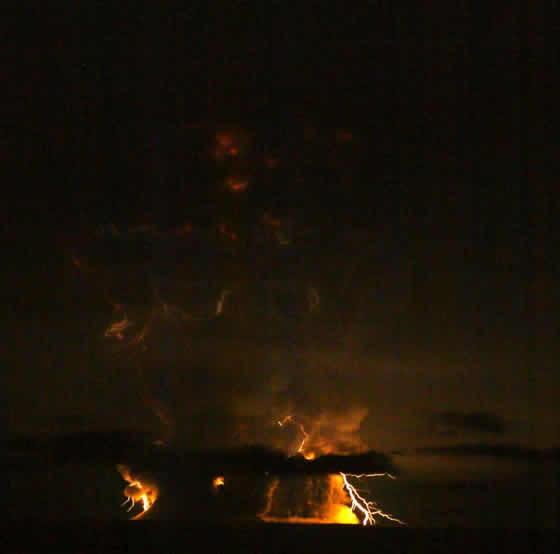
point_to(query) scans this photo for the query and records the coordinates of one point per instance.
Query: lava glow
(218, 482)
(137, 492)
(332, 507)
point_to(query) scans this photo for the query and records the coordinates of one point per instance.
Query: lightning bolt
(269, 498)
(290, 419)
(137, 491)
(368, 508)
(360, 505)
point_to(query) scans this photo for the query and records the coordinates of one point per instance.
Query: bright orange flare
(330, 508)
(218, 481)
(137, 491)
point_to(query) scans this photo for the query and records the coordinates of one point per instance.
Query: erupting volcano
(163, 303)
(324, 499)
(308, 498)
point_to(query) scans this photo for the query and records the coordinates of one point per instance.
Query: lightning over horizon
(333, 507)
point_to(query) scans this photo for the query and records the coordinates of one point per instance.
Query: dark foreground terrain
(160, 537)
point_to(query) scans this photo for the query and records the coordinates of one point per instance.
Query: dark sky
(437, 325)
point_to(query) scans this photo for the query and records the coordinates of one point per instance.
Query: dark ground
(151, 537)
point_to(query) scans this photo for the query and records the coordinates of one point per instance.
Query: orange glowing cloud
(236, 184)
(229, 144)
(324, 501)
(318, 506)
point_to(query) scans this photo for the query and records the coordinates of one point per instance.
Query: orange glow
(337, 511)
(218, 481)
(290, 419)
(331, 508)
(342, 515)
(368, 508)
(226, 145)
(116, 329)
(224, 140)
(235, 184)
(144, 492)
(265, 514)
(334, 507)
(184, 229)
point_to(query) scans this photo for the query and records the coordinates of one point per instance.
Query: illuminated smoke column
(324, 499)
(159, 329)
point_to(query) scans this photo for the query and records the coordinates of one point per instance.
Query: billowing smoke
(219, 329)
(233, 393)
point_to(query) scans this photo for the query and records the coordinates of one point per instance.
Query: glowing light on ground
(330, 508)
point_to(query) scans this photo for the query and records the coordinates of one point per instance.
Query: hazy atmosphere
(279, 273)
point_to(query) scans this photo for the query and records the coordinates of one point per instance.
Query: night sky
(391, 273)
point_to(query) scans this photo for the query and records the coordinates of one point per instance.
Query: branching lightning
(368, 508)
(333, 511)
(137, 491)
(290, 419)
(340, 501)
